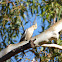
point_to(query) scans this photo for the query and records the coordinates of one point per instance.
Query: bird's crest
(35, 23)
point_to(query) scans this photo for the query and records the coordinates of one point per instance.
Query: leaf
(59, 42)
(42, 48)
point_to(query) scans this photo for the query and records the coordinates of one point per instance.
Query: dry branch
(52, 45)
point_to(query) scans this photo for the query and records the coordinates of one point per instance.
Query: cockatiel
(28, 33)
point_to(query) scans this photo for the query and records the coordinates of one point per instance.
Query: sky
(40, 23)
(31, 18)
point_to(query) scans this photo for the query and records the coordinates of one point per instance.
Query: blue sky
(31, 18)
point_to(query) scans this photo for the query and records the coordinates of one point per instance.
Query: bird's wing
(23, 36)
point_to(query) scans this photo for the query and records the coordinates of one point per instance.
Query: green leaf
(42, 48)
(59, 42)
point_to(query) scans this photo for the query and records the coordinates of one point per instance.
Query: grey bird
(28, 33)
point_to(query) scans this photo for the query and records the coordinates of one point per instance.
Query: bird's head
(35, 26)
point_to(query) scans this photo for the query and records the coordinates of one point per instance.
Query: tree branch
(52, 45)
(13, 51)
(50, 34)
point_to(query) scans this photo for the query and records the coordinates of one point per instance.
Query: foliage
(51, 9)
(13, 13)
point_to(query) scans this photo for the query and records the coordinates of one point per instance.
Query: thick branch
(14, 51)
(49, 34)
(12, 47)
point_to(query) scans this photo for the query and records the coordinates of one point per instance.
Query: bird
(28, 33)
